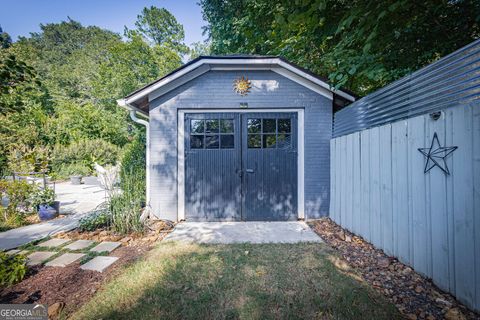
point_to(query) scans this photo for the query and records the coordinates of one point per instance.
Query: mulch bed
(70, 287)
(414, 295)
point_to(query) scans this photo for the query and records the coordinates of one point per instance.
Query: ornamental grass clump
(127, 204)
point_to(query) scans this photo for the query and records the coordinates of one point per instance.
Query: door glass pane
(227, 141)
(284, 126)
(284, 141)
(212, 126)
(226, 126)
(269, 141)
(269, 125)
(196, 126)
(196, 142)
(254, 141)
(211, 141)
(254, 125)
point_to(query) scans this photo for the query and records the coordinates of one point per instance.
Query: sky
(20, 17)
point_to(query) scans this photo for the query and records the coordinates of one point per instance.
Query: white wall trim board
(273, 64)
(181, 153)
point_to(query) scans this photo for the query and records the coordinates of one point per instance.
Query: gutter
(133, 111)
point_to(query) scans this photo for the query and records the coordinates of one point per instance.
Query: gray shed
(237, 138)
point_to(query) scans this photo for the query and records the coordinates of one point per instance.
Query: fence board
(400, 183)
(375, 187)
(386, 218)
(438, 212)
(463, 203)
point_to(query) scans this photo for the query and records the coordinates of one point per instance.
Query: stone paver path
(53, 243)
(106, 246)
(99, 263)
(79, 245)
(64, 260)
(239, 232)
(76, 200)
(38, 257)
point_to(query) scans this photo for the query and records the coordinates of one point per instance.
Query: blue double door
(241, 166)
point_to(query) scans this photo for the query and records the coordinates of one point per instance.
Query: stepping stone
(38, 257)
(12, 252)
(79, 244)
(98, 263)
(53, 243)
(106, 246)
(64, 259)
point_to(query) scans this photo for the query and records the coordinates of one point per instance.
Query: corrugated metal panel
(452, 80)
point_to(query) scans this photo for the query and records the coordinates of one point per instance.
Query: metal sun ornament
(436, 155)
(242, 86)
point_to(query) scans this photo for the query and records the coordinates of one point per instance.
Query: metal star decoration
(436, 155)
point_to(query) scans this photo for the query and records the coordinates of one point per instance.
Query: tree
(18, 84)
(160, 27)
(360, 44)
(198, 49)
(5, 39)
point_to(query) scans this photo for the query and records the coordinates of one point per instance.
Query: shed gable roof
(138, 100)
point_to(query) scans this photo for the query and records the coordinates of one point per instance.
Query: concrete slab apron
(241, 232)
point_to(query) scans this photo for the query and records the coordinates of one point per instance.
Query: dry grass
(270, 281)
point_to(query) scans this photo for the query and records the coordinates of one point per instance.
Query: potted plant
(43, 201)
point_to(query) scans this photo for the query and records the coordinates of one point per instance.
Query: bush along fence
(405, 171)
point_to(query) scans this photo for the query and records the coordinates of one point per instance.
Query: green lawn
(268, 281)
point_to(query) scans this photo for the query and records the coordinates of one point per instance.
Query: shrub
(42, 196)
(134, 162)
(18, 193)
(64, 171)
(24, 159)
(99, 219)
(79, 157)
(12, 269)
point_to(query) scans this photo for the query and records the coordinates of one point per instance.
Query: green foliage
(18, 194)
(83, 153)
(133, 161)
(12, 269)
(360, 44)
(5, 39)
(198, 49)
(127, 205)
(94, 221)
(42, 196)
(23, 159)
(59, 86)
(18, 83)
(159, 26)
(64, 171)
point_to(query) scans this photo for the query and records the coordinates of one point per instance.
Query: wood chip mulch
(70, 287)
(414, 295)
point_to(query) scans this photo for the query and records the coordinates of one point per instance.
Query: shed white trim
(181, 154)
(203, 65)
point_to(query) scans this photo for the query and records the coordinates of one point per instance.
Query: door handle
(249, 170)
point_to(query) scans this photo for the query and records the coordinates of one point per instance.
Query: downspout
(133, 116)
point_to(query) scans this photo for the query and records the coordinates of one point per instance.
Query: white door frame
(181, 153)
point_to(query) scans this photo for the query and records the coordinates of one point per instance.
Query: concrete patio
(75, 201)
(240, 232)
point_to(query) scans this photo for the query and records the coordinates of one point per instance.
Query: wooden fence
(429, 221)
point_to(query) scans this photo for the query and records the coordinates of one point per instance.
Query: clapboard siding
(213, 90)
(429, 221)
